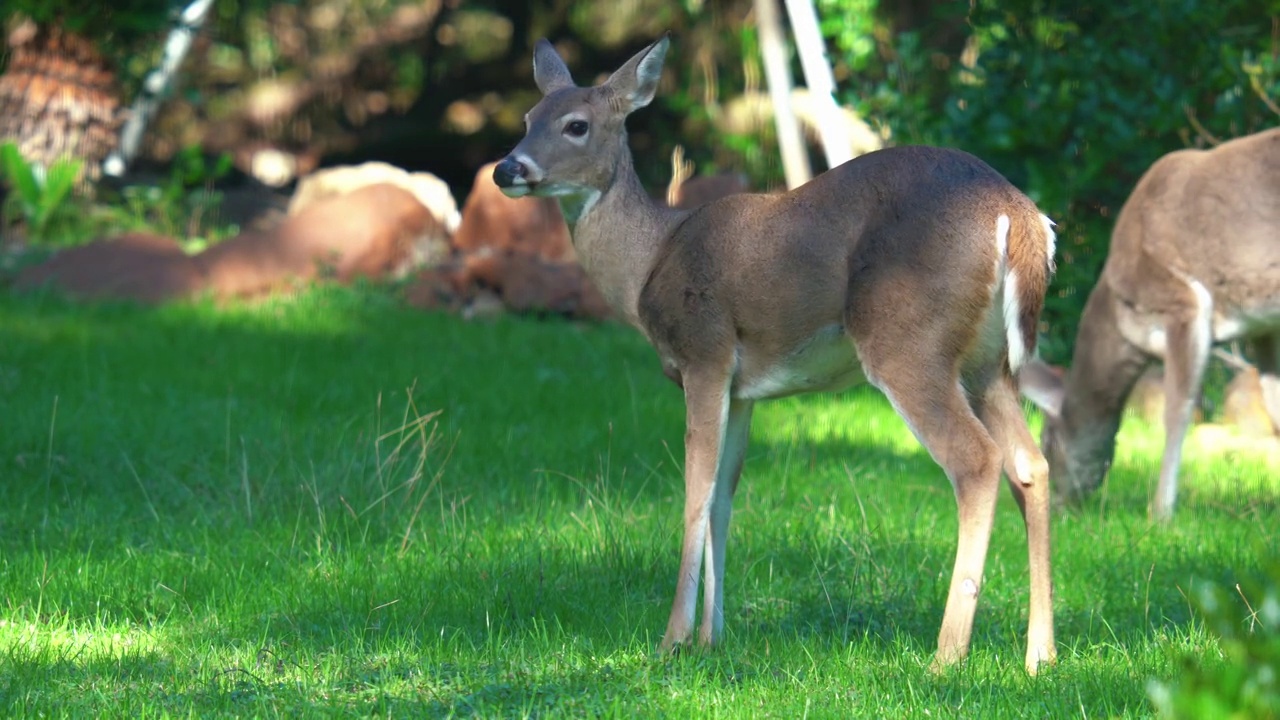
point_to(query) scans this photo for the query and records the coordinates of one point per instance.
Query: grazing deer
(920, 270)
(1194, 260)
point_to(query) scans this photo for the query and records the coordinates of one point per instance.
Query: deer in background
(1194, 260)
(687, 190)
(920, 270)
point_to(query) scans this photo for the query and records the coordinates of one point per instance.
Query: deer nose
(510, 172)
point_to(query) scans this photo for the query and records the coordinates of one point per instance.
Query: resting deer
(1194, 260)
(920, 270)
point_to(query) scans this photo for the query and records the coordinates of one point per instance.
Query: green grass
(332, 506)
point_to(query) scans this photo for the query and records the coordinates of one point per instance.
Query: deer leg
(1027, 473)
(1267, 350)
(1187, 343)
(728, 471)
(707, 412)
(937, 411)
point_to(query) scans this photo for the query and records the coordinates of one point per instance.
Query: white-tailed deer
(1194, 260)
(920, 270)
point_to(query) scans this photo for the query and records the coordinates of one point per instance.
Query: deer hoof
(1040, 659)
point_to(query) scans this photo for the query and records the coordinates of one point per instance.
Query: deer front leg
(728, 471)
(1187, 343)
(707, 411)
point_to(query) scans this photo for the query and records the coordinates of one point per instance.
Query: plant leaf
(58, 182)
(21, 177)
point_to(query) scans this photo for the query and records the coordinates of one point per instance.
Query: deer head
(1077, 467)
(575, 137)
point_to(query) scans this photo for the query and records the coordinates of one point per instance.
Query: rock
(529, 284)
(1271, 398)
(747, 113)
(1146, 399)
(520, 282)
(446, 286)
(136, 266)
(431, 191)
(486, 304)
(370, 232)
(493, 221)
(1244, 405)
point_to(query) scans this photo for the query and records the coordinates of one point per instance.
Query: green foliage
(185, 206)
(39, 193)
(1244, 681)
(886, 73)
(117, 25)
(1071, 101)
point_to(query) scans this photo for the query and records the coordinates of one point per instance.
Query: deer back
(1208, 215)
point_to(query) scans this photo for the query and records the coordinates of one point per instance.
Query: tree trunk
(773, 47)
(58, 98)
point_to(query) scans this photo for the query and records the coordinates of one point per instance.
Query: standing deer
(1194, 260)
(920, 270)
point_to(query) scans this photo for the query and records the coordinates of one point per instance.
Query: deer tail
(1027, 240)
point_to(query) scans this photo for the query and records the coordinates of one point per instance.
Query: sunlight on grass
(28, 641)
(330, 505)
(1219, 464)
(861, 415)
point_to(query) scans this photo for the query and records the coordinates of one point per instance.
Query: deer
(1194, 261)
(919, 270)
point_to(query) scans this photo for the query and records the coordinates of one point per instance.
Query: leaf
(59, 181)
(223, 166)
(21, 177)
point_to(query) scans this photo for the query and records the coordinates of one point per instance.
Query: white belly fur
(826, 362)
(1147, 330)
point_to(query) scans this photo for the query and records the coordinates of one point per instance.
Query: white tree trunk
(773, 48)
(818, 77)
(155, 85)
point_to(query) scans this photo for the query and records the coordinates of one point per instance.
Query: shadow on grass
(628, 685)
(203, 464)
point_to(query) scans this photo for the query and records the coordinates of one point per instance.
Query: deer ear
(549, 71)
(636, 82)
(1042, 384)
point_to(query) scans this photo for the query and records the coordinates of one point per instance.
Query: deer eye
(576, 128)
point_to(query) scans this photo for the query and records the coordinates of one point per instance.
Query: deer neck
(1103, 371)
(617, 230)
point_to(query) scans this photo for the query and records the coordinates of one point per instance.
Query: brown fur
(1209, 217)
(1032, 266)
(881, 269)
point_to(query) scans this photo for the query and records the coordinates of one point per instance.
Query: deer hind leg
(1187, 343)
(728, 471)
(929, 397)
(1027, 473)
(707, 408)
(1267, 350)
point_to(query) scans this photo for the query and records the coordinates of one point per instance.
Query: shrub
(1245, 683)
(1071, 101)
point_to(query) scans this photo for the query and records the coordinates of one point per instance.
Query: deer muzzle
(513, 177)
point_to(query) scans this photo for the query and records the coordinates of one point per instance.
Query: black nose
(506, 172)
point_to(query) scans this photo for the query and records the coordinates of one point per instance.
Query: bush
(1071, 101)
(1246, 682)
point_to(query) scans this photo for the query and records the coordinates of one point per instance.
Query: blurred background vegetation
(1071, 100)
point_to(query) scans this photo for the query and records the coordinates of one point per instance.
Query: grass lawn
(332, 506)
